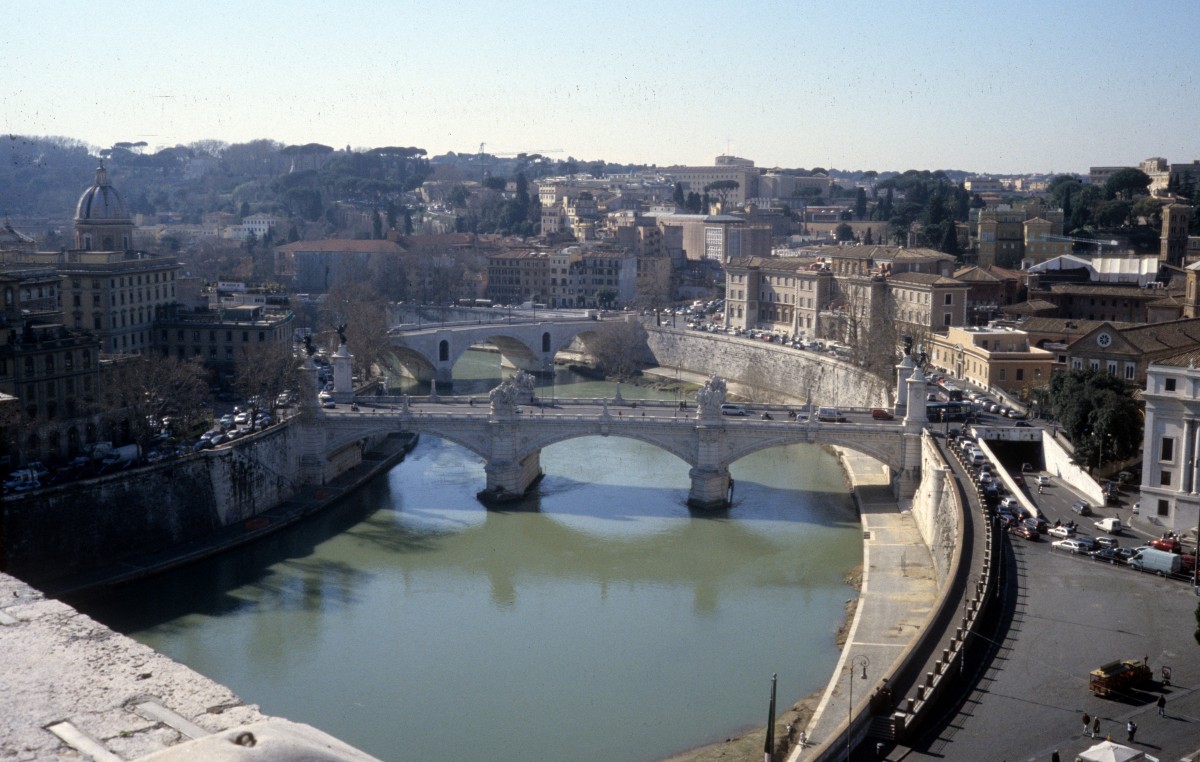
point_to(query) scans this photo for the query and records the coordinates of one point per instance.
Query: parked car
(1071, 545)
(1107, 554)
(1169, 544)
(1039, 524)
(1062, 531)
(1082, 508)
(1106, 541)
(1022, 530)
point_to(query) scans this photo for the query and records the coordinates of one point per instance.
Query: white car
(1063, 531)
(1043, 480)
(1073, 546)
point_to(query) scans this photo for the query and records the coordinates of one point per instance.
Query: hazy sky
(1003, 87)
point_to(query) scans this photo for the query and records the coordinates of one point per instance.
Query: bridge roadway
(510, 441)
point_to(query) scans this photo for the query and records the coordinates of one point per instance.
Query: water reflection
(601, 617)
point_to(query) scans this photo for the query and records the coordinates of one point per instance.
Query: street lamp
(862, 662)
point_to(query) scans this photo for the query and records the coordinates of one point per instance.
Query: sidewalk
(898, 593)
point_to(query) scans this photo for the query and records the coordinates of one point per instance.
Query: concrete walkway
(899, 591)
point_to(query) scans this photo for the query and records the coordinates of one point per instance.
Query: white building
(1171, 443)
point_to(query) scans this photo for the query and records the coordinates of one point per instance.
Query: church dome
(101, 202)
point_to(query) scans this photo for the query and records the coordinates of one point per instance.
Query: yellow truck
(1119, 677)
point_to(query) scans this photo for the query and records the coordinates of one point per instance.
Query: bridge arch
(882, 448)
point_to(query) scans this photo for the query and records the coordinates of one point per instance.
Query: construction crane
(1099, 243)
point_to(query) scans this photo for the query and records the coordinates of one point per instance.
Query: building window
(1164, 508)
(1166, 452)
(1112, 367)
(1164, 478)
(1129, 371)
(1020, 374)
(1169, 384)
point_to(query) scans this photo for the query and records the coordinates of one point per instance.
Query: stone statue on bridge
(710, 396)
(524, 383)
(504, 399)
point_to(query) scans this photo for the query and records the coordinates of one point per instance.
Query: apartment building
(221, 338)
(784, 295)
(990, 357)
(53, 370)
(519, 276)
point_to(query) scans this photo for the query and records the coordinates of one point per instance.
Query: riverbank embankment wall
(72, 528)
(772, 370)
(937, 510)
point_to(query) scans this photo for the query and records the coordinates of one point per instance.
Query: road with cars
(1065, 615)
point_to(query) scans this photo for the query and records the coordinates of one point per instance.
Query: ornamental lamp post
(862, 662)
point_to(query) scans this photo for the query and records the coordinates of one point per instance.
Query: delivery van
(1152, 560)
(1109, 526)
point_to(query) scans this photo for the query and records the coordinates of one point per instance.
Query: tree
(1124, 183)
(1098, 415)
(141, 389)
(722, 189)
(678, 196)
(495, 183)
(860, 204)
(263, 372)
(844, 232)
(360, 306)
(614, 347)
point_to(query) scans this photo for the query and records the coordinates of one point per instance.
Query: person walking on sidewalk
(1087, 724)
(1096, 726)
(1130, 729)
(1162, 706)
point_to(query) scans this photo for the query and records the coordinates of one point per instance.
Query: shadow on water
(284, 571)
(205, 585)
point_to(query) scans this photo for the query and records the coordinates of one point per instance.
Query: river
(600, 620)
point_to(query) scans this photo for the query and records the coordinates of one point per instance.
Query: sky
(987, 87)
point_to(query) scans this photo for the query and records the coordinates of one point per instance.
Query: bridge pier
(710, 488)
(508, 481)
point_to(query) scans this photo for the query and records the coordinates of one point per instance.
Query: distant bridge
(429, 352)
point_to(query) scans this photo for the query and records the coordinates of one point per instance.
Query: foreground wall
(782, 371)
(71, 529)
(937, 510)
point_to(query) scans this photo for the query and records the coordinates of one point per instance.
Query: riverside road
(1065, 615)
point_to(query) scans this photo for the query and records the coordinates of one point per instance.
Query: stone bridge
(429, 352)
(509, 434)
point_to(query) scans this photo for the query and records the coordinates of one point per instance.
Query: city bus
(949, 411)
(948, 392)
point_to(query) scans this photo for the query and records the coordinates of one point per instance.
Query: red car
(1169, 544)
(880, 414)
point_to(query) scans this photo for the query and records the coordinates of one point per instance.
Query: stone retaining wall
(936, 509)
(74, 528)
(781, 371)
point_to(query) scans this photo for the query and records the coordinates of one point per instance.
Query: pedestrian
(1087, 724)
(1054, 756)
(1130, 729)
(1096, 726)
(1162, 706)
